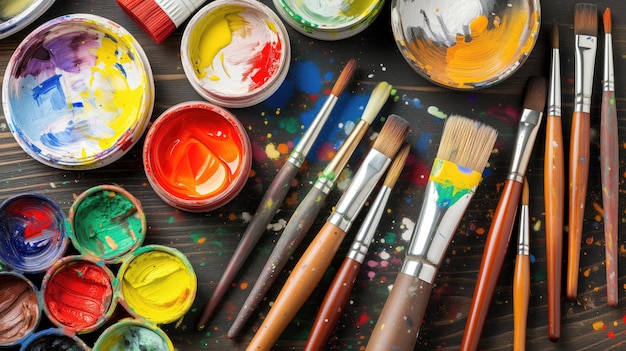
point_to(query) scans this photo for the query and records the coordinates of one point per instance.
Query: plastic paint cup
(157, 283)
(53, 340)
(329, 19)
(32, 232)
(107, 222)
(235, 53)
(79, 293)
(90, 85)
(19, 308)
(133, 335)
(17, 14)
(197, 156)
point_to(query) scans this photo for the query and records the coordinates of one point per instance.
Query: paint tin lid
(15, 15)
(107, 222)
(235, 53)
(53, 339)
(20, 312)
(327, 19)
(32, 232)
(90, 84)
(144, 336)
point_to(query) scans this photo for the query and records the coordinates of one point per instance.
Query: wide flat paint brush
(315, 260)
(521, 276)
(456, 172)
(275, 194)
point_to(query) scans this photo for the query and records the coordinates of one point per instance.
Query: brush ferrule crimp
(524, 142)
(363, 238)
(608, 76)
(586, 46)
(554, 94)
(523, 246)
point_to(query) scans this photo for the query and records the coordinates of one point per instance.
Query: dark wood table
(208, 239)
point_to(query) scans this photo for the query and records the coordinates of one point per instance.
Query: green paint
(291, 125)
(390, 238)
(170, 220)
(434, 110)
(197, 237)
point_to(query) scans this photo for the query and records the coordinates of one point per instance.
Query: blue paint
(308, 77)
(424, 142)
(283, 94)
(53, 90)
(412, 101)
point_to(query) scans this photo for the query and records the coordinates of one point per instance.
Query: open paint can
(15, 15)
(133, 335)
(19, 308)
(52, 340)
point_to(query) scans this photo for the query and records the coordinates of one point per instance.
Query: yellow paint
(12, 8)
(450, 174)
(597, 326)
(271, 151)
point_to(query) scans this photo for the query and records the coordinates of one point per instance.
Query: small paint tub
(133, 335)
(15, 15)
(235, 53)
(329, 19)
(157, 283)
(197, 156)
(32, 232)
(19, 308)
(107, 222)
(53, 340)
(79, 294)
(90, 85)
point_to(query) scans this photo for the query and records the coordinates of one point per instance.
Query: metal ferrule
(586, 46)
(365, 235)
(554, 93)
(300, 151)
(523, 245)
(362, 184)
(608, 76)
(524, 142)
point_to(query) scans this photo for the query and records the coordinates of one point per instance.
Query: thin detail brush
(521, 276)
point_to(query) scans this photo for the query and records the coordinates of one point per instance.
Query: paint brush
(308, 209)
(275, 194)
(521, 276)
(554, 190)
(339, 290)
(501, 228)
(609, 164)
(585, 30)
(315, 260)
(456, 172)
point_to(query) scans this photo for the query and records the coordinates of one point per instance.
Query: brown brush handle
(493, 256)
(578, 176)
(521, 293)
(400, 320)
(299, 286)
(554, 198)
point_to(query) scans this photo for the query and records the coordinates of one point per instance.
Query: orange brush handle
(578, 176)
(299, 286)
(521, 293)
(491, 263)
(554, 179)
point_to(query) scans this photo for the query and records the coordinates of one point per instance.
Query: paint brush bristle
(391, 136)
(606, 19)
(467, 142)
(344, 78)
(586, 20)
(555, 35)
(535, 95)
(377, 99)
(525, 193)
(396, 166)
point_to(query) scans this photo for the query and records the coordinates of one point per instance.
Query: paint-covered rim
(24, 18)
(74, 136)
(37, 317)
(114, 335)
(53, 332)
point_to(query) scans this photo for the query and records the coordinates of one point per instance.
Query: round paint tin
(235, 53)
(79, 293)
(107, 222)
(329, 19)
(197, 156)
(32, 232)
(157, 284)
(465, 45)
(17, 14)
(19, 308)
(53, 340)
(133, 335)
(90, 85)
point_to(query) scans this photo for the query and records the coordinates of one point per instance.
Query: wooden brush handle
(493, 256)
(401, 318)
(521, 293)
(578, 176)
(554, 198)
(609, 165)
(298, 288)
(336, 297)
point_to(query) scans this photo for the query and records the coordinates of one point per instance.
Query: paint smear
(132, 336)
(19, 308)
(50, 340)
(330, 13)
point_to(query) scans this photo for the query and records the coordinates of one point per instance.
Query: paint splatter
(435, 111)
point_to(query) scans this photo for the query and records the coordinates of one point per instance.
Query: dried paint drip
(53, 340)
(19, 308)
(91, 86)
(132, 335)
(32, 232)
(465, 46)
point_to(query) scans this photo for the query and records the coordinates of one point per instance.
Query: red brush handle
(493, 256)
(521, 294)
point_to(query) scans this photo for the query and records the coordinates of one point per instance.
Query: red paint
(267, 64)
(611, 335)
(364, 318)
(39, 220)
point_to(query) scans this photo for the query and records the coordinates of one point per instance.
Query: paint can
(19, 308)
(329, 19)
(133, 335)
(157, 284)
(197, 156)
(53, 339)
(32, 232)
(107, 222)
(235, 53)
(15, 15)
(90, 84)
(79, 293)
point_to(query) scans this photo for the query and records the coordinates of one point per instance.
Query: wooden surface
(209, 239)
